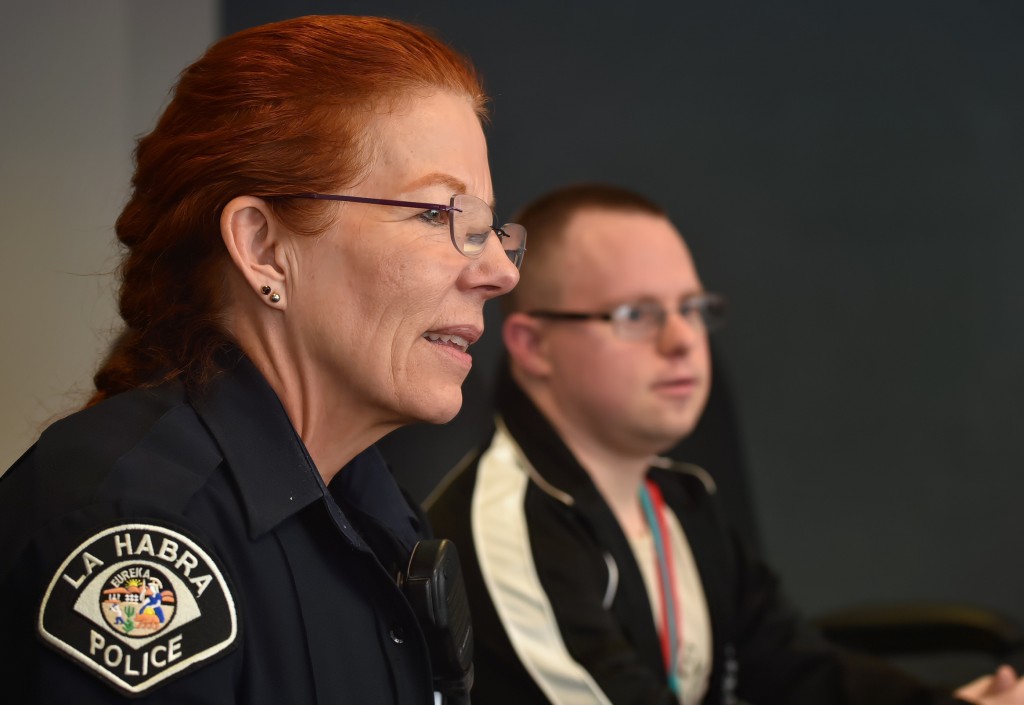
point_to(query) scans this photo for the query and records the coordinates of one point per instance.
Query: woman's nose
(494, 271)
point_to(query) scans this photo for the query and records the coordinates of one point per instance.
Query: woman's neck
(330, 423)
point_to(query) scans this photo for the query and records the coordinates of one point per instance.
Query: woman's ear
(255, 243)
(526, 344)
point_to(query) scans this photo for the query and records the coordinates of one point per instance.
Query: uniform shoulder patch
(138, 604)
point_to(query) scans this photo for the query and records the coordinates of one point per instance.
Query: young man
(598, 572)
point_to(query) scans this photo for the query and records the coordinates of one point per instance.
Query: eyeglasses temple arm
(570, 315)
(377, 201)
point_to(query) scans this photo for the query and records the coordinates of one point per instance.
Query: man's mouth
(676, 385)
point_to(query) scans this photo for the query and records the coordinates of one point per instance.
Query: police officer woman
(308, 246)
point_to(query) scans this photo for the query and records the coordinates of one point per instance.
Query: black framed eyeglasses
(643, 320)
(470, 221)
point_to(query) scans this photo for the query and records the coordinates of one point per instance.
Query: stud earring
(265, 290)
(275, 297)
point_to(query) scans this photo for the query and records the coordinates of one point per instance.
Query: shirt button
(397, 634)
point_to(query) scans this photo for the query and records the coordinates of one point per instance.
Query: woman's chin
(439, 407)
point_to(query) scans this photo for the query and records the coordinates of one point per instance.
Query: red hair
(276, 109)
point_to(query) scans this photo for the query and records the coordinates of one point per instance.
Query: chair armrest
(922, 628)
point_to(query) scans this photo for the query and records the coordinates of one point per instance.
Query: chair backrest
(717, 446)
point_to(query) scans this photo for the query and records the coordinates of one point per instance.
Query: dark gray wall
(850, 175)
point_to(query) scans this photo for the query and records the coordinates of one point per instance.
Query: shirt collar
(273, 470)
(367, 485)
(275, 476)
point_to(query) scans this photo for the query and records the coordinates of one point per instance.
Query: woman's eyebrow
(437, 178)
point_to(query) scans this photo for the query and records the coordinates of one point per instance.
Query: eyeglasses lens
(473, 222)
(514, 242)
(644, 320)
(711, 309)
(638, 321)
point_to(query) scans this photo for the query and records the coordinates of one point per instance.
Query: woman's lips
(453, 343)
(456, 341)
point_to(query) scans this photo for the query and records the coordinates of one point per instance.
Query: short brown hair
(545, 219)
(273, 110)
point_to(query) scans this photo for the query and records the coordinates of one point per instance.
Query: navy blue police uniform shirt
(169, 547)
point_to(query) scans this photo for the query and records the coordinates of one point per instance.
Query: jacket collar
(543, 447)
(561, 473)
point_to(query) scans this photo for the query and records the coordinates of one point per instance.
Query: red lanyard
(671, 615)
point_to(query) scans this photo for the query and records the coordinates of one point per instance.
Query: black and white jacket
(560, 610)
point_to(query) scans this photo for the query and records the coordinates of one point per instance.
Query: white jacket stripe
(506, 561)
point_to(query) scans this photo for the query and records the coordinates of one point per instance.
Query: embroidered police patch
(139, 604)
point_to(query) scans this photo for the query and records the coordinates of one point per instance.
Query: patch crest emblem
(139, 604)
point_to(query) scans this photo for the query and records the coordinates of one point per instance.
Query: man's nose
(679, 333)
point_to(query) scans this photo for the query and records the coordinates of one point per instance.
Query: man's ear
(254, 241)
(526, 344)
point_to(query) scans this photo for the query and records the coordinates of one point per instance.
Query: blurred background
(849, 174)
